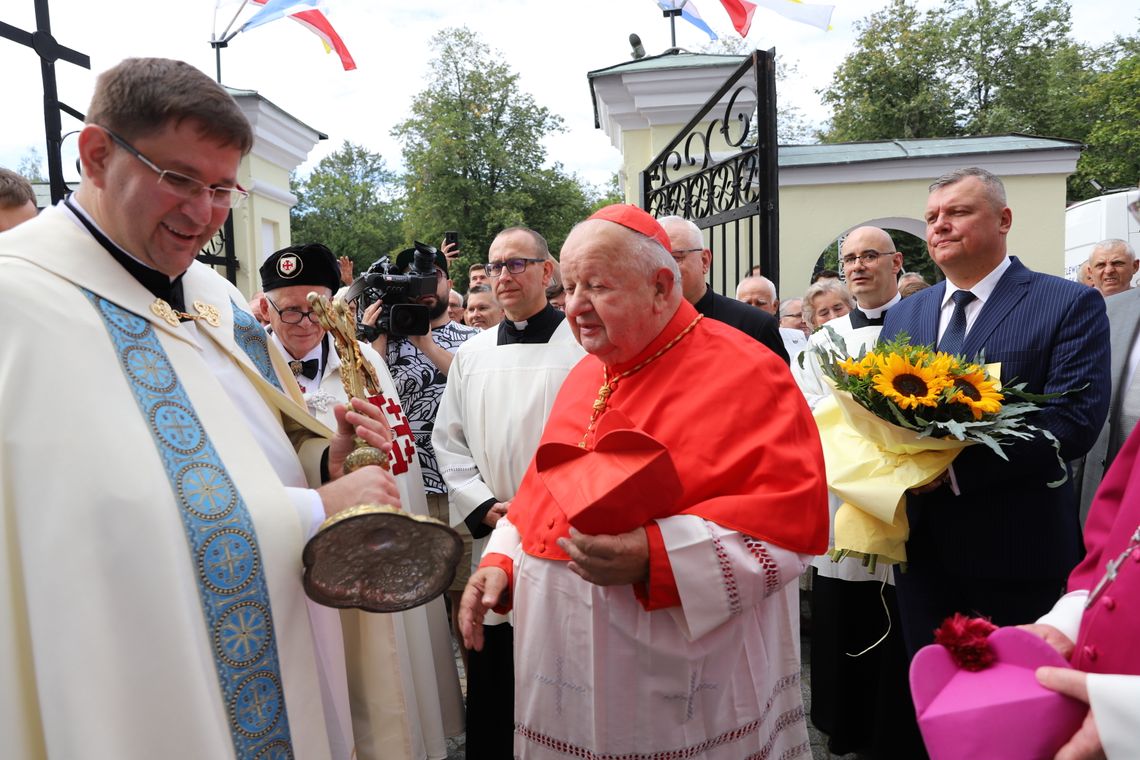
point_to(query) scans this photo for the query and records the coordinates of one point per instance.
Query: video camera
(400, 314)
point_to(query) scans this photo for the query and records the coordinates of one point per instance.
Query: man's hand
(943, 477)
(1053, 637)
(365, 420)
(485, 589)
(368, 485)
(498, 510)
(609, 560)
(450, 251)
(345, 264)
(1085, 744)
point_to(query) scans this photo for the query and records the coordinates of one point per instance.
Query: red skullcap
(632, 217)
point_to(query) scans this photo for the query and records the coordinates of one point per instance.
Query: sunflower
(909, 385)
(859, 367)
(978, 392)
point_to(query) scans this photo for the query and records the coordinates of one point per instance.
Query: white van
(1089, 222)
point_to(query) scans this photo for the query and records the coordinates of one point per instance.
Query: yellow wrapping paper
(870, 466)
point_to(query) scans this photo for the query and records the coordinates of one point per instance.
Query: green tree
(1112, 103)
(475, 157)
(31, 166)
(966, 67)
(350, 202)
(891, 85)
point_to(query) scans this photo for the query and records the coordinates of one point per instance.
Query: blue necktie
(955, 336)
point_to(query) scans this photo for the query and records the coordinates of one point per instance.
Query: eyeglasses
(293, 316)
(680, 255)
(514, 266)
(183, 186)
(866, 258)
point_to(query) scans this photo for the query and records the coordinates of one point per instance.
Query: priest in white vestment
(405, 674)
(855, 638)
(499, 392)
(157, 465)
(655, 627)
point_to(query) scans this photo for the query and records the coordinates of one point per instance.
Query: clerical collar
(536, 329)
(680, 320)
(879, 311)
(159, 284)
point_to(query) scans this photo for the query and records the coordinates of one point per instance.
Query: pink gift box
(999, 712)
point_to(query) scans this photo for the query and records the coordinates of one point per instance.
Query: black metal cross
(49, 52)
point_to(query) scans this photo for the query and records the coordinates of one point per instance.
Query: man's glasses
(866, 258)
(514, 266)
(680, 255)
(292, 316)
(183, 186)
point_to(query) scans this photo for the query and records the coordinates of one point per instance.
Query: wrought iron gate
(733, 197)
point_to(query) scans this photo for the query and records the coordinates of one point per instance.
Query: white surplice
(717, 678)
(491, 416)
(103, 642)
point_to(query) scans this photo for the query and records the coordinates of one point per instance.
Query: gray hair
(995, 188)
(1114, 244)
(819, 288)
(771, 286)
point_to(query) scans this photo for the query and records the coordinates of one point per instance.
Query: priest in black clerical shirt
(499, 392)
(847, 601)
(693, 259)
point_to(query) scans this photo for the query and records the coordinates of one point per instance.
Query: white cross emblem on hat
(289, 265)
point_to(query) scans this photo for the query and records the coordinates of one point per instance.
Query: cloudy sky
(551, 45)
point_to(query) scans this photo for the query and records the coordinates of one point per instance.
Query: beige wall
(813, 216)
(261, 225)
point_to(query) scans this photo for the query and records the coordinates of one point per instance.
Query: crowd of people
(629, 457)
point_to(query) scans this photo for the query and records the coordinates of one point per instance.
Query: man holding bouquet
(989, 536)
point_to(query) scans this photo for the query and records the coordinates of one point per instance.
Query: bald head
(690, 253)
(621, 289)
(760, 292)
(871, 266)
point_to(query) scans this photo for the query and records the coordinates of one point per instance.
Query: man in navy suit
(989, 536)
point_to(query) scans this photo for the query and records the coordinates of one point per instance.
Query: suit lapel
(926, 325)
(1011, 288)
(1122, 334)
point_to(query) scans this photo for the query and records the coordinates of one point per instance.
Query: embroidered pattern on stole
(251, 338)
(221, 539)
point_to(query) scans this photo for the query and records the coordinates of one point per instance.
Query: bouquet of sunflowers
(897, 417)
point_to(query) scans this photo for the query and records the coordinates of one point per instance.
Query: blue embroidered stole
(219, 533)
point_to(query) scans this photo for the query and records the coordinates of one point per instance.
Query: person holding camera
(419, 365)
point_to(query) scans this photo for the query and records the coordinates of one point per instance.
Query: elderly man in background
(759, 291)
(499, 393)
(1124, 404)
(694, 259)
(1112, 265)
(455, 308)
(663, 630)
(152, 590)
(412, 679)
(482, 310)
(17, 200)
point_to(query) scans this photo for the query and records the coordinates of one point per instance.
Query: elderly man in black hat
(288, 276)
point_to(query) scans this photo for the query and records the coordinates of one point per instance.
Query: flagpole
(217, 43)
(672, 14)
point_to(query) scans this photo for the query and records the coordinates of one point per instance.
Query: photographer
(419, 365)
